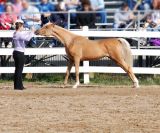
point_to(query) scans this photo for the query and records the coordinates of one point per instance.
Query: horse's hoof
(63, 86)
(74, 87)
(136, 86)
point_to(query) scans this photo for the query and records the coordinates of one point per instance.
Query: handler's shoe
(18, 88)
(23, 88)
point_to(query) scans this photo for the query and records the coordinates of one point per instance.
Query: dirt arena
(49, 108)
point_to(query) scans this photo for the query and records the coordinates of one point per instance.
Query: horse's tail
(127, 54)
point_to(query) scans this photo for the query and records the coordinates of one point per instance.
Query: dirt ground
(49, 108)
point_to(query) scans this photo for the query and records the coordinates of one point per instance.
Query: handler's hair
(18, 25)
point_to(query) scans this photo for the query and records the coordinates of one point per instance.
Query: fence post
(69, 20)
(86, 74)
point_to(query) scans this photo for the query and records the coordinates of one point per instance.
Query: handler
(20, 38)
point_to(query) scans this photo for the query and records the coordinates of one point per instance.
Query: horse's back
(109, 41)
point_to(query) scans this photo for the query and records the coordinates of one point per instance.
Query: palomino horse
(79, 48)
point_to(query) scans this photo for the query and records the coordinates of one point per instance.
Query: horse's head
(46, 30)
(53, 30)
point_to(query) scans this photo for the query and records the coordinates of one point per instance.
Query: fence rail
(61, 51)
(125, 34)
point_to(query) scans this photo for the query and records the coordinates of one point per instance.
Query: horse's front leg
(69, 67)
(77, 62)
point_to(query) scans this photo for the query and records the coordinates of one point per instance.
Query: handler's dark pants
(19, 60)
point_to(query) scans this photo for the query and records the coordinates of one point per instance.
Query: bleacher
(111, 6)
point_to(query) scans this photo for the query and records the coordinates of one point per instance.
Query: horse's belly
(93, 53)
(92, 56)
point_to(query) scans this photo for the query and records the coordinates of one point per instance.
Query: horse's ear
(49, 22)
(53, 24)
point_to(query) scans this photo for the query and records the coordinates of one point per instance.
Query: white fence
(126, 34)
(86, 69)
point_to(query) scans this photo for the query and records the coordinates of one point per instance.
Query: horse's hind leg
(129, 71)
(69, 67)
(77, 62)
(133, 77)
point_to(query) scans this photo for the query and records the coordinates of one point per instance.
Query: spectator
(17, 6)
(35, 1)
(131, 4)
(155, 16)
(147, 4)
(72, 6)
(156, 4)
(45, 7)
(28, 17)
(2, 6)
(98, 5)
(60, 19)
(123, 16)
(153, 21)
(8, 1)
(86, 19)
(153, 24)
(139, 4)
(8, 18)
(142, 5)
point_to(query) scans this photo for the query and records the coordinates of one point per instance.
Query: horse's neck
(65, 36)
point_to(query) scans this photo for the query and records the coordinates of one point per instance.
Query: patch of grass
(149, 79)
(110, 79)
(100, 79)
(4, 81)
(123, 79)
(52, 78)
